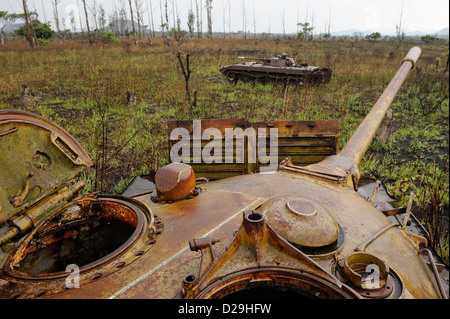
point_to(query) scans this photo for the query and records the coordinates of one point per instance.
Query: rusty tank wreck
(276, 69)
(313, 228)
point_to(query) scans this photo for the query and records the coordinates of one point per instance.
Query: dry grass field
(86, 89)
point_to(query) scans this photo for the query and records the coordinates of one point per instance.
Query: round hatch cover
(300, 221)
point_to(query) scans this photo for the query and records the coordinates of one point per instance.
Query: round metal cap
(301, 222)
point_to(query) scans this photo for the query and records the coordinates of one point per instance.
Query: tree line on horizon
(127, 21)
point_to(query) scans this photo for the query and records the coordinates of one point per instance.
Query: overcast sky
(268, 15)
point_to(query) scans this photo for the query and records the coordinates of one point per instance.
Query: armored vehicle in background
(278, 68)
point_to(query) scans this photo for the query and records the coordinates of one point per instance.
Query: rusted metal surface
(39, 213)
(217, 211)
(353, 271)
(236, 251)
(362, 246)
(37, 158)
(257, 254)
(301, 222)
(345, 164)
(355, 265)
(305, 142)
(360, 140)
(140, 185)
(98, 234)
(174, 182)
(278, 68)
(435, 271)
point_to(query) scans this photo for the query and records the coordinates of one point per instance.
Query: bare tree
(229, 17)
(244, 20)
(199, 18)
(283, 21)
(123, 20)
(167, 21)
(27, 22)
(186, 73)
(132, 22)
(208, 6)
(150, 17)
(224, 20)
(190, 23)
(162, 20)
(329, 22)
(139, 12)
(173, 14)
(101, 17)
(178, 21)
(73, 22)
(79, 16)
(56, 16)
(399, 30)
(87, 21)
(93, 9)
(254, 21)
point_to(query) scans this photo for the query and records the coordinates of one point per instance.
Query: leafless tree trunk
(178, 20)
(254, 22)
(244, 20)
(167, 23)
(186, 74)
(190, 23)
(132, 22)
(173, 15)
(55, 12)
(150, 17)
(138, 5)
(400, 32)
(87, 21)
(73, 22)
(162, 19)
(199, 19)
(229, 17)
(94, 12)
(283, 21)
(329, 22)
(81, 24)
(33, 34)
(102, 17)
(27, 22)
(123, 18)
(224, 20)
(208, 15)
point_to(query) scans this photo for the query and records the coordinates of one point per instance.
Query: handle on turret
(359, 142)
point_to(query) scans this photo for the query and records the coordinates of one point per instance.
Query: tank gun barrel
(359, 142)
